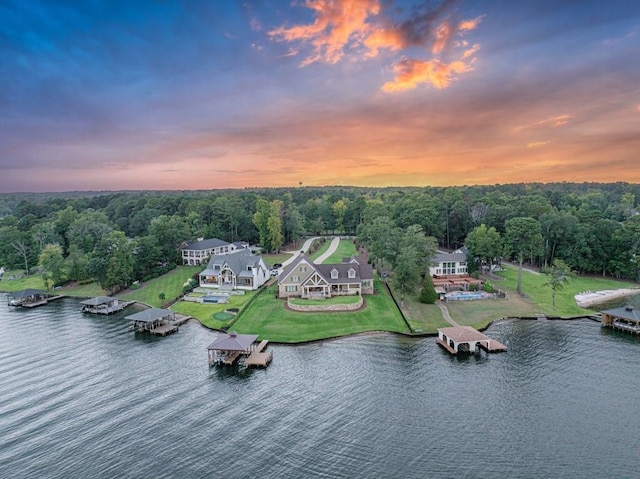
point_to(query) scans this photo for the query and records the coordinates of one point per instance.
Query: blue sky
(107, 95)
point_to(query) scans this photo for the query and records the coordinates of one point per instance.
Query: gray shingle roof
(238, 261)
(98, 301)
(441, 257)
(206, 244)
(624, 313)
(149, 315)
(233, 342)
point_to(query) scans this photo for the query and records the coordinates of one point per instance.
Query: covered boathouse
(30, 298)
(103, 305)
(153, 320)
(465, 339)
(229, 348)
(624, 319)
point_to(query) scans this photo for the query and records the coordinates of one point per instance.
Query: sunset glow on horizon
(204, 95)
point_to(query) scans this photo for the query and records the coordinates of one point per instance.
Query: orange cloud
(411, 73)
(537, 144)
(338, 24)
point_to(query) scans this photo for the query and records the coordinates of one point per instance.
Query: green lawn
(33, 281)
(170, 284)
(423, 318)
(326, 302)
(271, 259)
(536, 293)
(269, 318)
(346, 248)
(90, 290)
(321, 250)
(204, 312)
(480, 313)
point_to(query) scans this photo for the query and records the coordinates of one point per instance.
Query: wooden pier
(465, 339)
(31, 298)
(228, 349)
(154, 320)
(258, 358)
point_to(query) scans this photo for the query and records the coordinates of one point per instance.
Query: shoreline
(593, 298)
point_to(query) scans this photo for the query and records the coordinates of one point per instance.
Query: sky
(179, 95)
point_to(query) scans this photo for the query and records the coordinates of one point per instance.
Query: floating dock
(465, 339)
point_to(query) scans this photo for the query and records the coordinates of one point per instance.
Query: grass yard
(321, 250)
(326, 302)
(480, 313)
(536, 293)
(268, 317)
(33, 281)
(271, 259)
(204, 312)
(346, 249)
(170, 284)
(90, 290)
(423, 318)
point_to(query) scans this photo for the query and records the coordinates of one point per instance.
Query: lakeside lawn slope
(269, 318)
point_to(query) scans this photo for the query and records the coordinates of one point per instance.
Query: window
(295, 279)
(303, 269)
(449, 267)
(334, 273)
(291, 289)
(352, 273)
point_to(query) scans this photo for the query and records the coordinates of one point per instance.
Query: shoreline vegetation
(262, 314)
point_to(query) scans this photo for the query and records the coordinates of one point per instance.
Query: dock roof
(150, 315)
(98, 300)
(626, 312)
(233, 342)
(26, 293)
(463, 334)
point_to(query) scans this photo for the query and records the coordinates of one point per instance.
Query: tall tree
(52, 264)
(406, 277)
(484, 243)
(558, 275)
(522, 237)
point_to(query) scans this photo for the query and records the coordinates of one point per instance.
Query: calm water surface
(81, 397)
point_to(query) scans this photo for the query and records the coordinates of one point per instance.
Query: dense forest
(119, 237)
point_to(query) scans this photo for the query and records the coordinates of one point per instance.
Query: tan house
(302, 278)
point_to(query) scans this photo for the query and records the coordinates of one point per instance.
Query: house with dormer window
(304, 279)
(238, 270)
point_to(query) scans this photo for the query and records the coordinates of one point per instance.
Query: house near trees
(450, 272)
(239, 269)
(302, 278)
(201, 250)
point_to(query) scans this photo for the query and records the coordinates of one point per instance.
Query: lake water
(81, 397)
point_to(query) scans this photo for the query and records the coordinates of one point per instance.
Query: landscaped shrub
(488, 287)
(428, 293)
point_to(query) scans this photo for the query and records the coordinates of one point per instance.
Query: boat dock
(623, 319)
(155, 321)
(258, 358)
(104, 305)
(228, 349)
(30, 298)
(465, 339)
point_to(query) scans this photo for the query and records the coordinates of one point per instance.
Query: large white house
(450, 264)
(200, 251)
(240, 269)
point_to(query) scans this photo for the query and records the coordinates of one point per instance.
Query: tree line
(119, 237)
